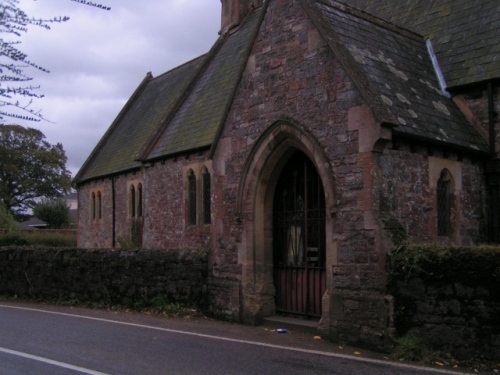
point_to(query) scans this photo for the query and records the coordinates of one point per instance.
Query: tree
(7, 221)
(30, 168)
(15, 65)
(55, 212)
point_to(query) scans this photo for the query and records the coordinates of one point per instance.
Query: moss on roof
(465, 33)
(178, 111)
(120, 147)
(184, 109)
(196, 123)
(394, 71)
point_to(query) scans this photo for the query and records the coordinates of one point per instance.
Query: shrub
(135, 239)
(13, 239)
(435, 262)
(54, 212)
(7, 221)
(42, 238)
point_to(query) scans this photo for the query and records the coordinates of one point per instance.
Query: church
(311, 140)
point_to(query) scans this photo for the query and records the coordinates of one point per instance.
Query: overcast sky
(98, 58)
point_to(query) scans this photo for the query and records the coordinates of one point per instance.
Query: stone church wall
(164, 201)
(474, 103)
(408, 196)
(166, 222)
(114, 221)
(293, 78)
(95, 233)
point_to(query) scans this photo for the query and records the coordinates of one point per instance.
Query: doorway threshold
(291, 323)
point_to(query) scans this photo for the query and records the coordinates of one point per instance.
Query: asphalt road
(44, 339)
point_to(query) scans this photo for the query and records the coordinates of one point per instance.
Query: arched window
(444, 196)
(99, 205)
(132, 201)
(207, 195)
(93, 206)
(192, 198)
(139, 200)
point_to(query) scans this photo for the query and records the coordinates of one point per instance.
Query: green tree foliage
(55, 212)
(7, 221)
(30, 168)
(16, 92)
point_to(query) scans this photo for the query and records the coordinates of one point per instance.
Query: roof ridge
(359, 13)
(180, 66)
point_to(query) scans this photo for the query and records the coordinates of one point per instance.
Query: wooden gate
(299, 239)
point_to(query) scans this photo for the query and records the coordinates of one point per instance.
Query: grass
(413, 348)
(43, 238)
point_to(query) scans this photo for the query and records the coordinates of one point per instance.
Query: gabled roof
(465, 33)
(185, 109)
(392, 69)
(178, 111)
(120, 147)
(198, 120)
(33, 223)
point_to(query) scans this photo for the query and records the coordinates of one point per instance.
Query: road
(44, 339)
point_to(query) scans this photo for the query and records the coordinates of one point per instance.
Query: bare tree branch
(14, 63)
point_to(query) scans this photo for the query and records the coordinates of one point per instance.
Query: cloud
(98, 58)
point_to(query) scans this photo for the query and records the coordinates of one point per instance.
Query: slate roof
(178, 111)
(185, 109)
(393, 70)
(465, 33)
(120, 147)
(203, 113)
(33, 223)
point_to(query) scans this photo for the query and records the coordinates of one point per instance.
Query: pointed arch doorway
(299, 240)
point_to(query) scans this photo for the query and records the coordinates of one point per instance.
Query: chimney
(233, 12)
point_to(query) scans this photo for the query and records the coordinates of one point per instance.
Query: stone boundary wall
(459, 317)
(124, 277)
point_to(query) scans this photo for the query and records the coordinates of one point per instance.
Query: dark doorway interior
(299, 238)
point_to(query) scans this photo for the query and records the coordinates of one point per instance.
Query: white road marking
(51, 362)
(327, 354)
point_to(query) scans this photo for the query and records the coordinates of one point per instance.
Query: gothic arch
(255, 202)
